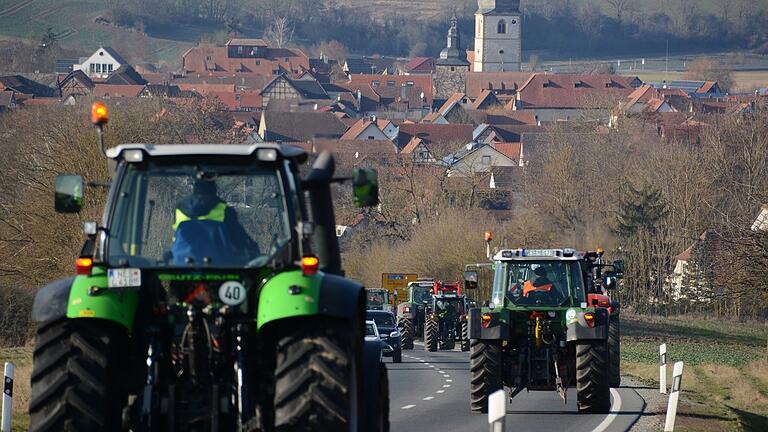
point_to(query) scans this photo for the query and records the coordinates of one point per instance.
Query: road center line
(407, 407)
(449, 380)
(428, 398)
(615, 410)
(446, 385)
(440, 391)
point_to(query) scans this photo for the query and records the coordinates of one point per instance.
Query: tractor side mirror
(610, 280)
(68, 197)
(470, 280)
(365, 183)
(618, 267)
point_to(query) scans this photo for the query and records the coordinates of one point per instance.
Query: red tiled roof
(454, 98)
(486, 98)
(435, 133)
(476, 82)
(420, 65)
(431, 117)
(204, 58)
(114, 90)
(707, 87)
(510, 150)
(574, 90)
(204, 88)
(248, 100)
(422, 81)
(359, 127)
(411, 146)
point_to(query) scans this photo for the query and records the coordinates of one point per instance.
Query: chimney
(372, 119)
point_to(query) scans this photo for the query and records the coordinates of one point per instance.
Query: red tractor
(602, 277)
(446, 318)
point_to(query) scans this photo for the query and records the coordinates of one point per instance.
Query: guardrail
(5, 419)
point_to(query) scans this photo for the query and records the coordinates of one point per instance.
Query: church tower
(498, 46)
(452, 66)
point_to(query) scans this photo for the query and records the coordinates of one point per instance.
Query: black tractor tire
(316, 377)
(592, 372)
(485, 372)
(405, 326)
(431, 335)
(383, 420)
(397, 356)
(614, 351)
(465, 335)
(77, 375)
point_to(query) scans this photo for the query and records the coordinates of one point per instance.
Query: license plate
(124, 278)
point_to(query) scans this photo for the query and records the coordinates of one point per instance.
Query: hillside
(76, 25)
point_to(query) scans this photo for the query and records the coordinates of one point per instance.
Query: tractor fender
(51, 300)
(578, 329)
(292, 294)
(91, 297)
(372, 380)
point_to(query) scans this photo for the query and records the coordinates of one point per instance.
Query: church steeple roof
(452, 54)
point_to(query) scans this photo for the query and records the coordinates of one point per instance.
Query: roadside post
(497, 410)
(663, 369)
(674, 397)
(5, 419)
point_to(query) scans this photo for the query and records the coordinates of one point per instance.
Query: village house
(558, 97)
(243, 56)
(289, 127)
(101, 64)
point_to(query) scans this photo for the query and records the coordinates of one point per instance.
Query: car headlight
(394, 334)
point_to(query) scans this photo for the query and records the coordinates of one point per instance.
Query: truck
(210, 297)
(541, 329)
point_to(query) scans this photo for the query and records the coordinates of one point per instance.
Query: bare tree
(279, 33)
(620, 6)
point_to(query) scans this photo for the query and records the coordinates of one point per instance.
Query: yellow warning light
(99, 113)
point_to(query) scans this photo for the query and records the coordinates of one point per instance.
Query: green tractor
(542, 329)
(210, 298)
(411, 314)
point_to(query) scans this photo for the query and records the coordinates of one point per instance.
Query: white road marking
(440, 391)
(615, 410)
(407, 407)
(428, 398)
(449, 380)
(446, 375)
(446, 385)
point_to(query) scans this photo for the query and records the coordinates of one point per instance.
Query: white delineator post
(497, 410)
(5, 422)
(674, 397)
(663, 368)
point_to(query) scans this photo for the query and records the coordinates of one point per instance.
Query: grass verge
(725, 382)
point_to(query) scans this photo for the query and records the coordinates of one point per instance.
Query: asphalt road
(430, 392)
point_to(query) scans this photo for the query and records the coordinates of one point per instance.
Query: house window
(98, 67)
(375, 83)
(276, 72)
(409, 83)
(258, 62)
(93, 68)
(390, 83)
(240, 50)
(370, 137)
(486, 160)
(109, 68)
(453, 69)
(501, 28)
(208, 58)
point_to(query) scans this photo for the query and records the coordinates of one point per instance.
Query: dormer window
(375, 83)
(548, 84)
(501, 28)
(579, 84)
(240, 50)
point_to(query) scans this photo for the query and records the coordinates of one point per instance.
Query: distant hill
(80, 24)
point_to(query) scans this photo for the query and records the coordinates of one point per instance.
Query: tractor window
(525, 283)
(200, 215)
(382, 319)
(422, 294)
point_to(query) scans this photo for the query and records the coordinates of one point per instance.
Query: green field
(73, 21)
(725, 382)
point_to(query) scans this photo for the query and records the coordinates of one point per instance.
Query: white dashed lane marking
(449, 380)
(446, 385)
(440, 391)
(407, 407)
(428, 398)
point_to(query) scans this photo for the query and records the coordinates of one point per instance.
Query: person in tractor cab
(541, 283)
(207, 230)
